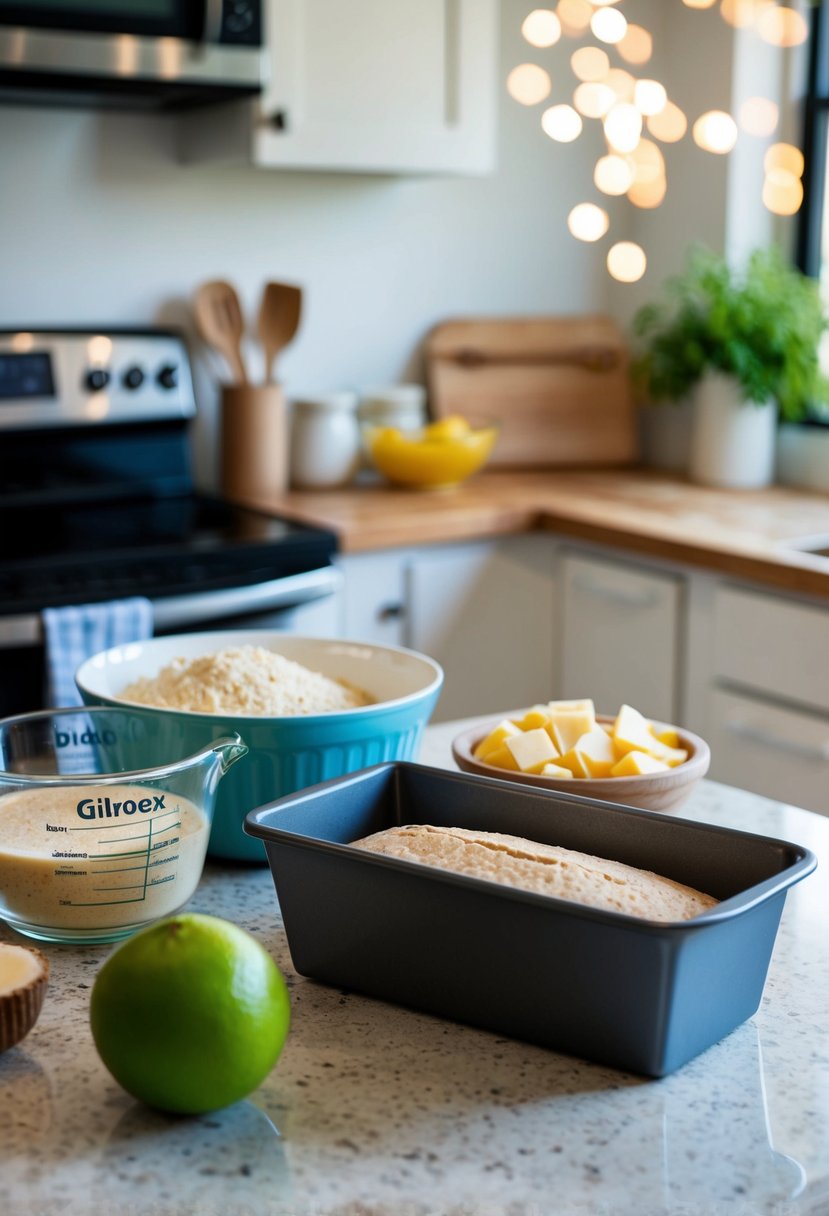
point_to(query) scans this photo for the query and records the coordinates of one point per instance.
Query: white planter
(732, 441)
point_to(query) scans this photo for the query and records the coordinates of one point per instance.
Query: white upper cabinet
(367, 86)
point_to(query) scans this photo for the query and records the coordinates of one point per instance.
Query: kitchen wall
(102, 225)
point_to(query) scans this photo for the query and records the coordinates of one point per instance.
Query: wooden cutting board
(559, 386)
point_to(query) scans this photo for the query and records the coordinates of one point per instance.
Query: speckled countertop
(376, 1111)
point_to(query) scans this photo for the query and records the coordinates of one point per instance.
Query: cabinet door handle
(756, 734)
(631, 599)
(391, 612)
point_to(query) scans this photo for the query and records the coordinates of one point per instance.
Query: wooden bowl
(664, 791)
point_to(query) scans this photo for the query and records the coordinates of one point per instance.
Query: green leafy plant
(762, 325)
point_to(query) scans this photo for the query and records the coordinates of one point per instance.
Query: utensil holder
(254, 442)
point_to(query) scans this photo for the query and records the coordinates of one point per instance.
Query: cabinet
(485, 611)
(619, 637)
(366, 86)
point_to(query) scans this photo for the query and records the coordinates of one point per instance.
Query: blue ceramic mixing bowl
(285, 754)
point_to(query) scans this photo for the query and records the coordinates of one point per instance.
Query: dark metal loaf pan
(638, 995)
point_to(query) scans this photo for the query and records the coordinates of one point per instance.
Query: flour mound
(244, 680)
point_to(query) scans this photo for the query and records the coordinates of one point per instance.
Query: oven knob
(168, 376)
(133, 377)
(96, 378)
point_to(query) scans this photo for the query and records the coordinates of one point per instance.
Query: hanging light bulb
(626, 261)
(561, 123)
(782, 27)
(613, 175)
(587, 222)
(608, 25)
(715, 131)
(529, 84)
(541, 27)
(782, 192)
(759, 116)
(623, 127)
(574, 16)
(650, 97)
(637, 45)
(593, 99)
(669, 125)
(784, 156)
(590, 63)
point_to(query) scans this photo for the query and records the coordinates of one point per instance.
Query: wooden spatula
(221, 324)
(279, 315)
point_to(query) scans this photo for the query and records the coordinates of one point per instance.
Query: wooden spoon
(220, 322)
(279, 314)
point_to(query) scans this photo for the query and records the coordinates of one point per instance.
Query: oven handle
(176, 611)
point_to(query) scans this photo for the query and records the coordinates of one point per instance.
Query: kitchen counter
(377, 1111)
(746, 533)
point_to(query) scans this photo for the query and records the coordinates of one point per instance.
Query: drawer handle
(631, 599)
(755, 734)
(391, 612)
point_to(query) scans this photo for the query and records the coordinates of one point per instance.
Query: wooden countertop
(747, 533)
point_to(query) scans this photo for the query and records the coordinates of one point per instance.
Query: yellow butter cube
(596, 752)
(634, 764)
(531, 749)
(584, 706)
(572, 760)
(672, 756)
(495, 739)
(502, 757)
(555, 770)
(533, 718)
(632, 732)
(568, 725)
(669, 737)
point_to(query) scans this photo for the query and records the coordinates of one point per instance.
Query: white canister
(399, 405)
(325, 440)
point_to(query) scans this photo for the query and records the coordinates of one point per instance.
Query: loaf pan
(638, 995)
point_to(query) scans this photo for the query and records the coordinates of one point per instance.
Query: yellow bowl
(437, 456)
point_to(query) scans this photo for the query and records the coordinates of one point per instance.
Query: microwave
(171, 54)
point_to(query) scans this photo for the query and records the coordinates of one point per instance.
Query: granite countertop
(751, 534)
(377, 1111)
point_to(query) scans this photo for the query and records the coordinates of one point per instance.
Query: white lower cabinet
(485, 611)
(781, 753)
(523, 619)
(620, 634)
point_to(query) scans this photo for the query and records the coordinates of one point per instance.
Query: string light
(626, 105)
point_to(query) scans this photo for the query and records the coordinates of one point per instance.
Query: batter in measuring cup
(83, 857)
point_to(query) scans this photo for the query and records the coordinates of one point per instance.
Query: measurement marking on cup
(149, 854)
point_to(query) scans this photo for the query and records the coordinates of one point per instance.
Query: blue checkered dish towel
(73, 634)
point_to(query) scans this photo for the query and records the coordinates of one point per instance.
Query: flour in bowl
(244, 680)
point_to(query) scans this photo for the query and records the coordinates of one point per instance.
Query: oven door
(141, 18)
(305, 603)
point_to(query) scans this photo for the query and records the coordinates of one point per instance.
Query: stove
(97, 500)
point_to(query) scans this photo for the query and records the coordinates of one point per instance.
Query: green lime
(190, 1014)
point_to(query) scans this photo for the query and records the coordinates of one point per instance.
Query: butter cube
(572, 761)
(533, 718)
(672, 756)
(555, 770)
(669, 737)
(531, 749)
(584, 706)
(632, 732)
(634, 764)
(568, 725)
(495, 738)
(596, 752)
(502, 757)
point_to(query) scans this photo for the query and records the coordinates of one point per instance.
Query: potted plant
(743, 346)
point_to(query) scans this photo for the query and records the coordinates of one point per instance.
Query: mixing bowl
(104, 820)
(286, 753)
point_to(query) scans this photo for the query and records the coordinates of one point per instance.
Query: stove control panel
(53, 378)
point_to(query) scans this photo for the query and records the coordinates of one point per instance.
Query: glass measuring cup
(104, 820)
